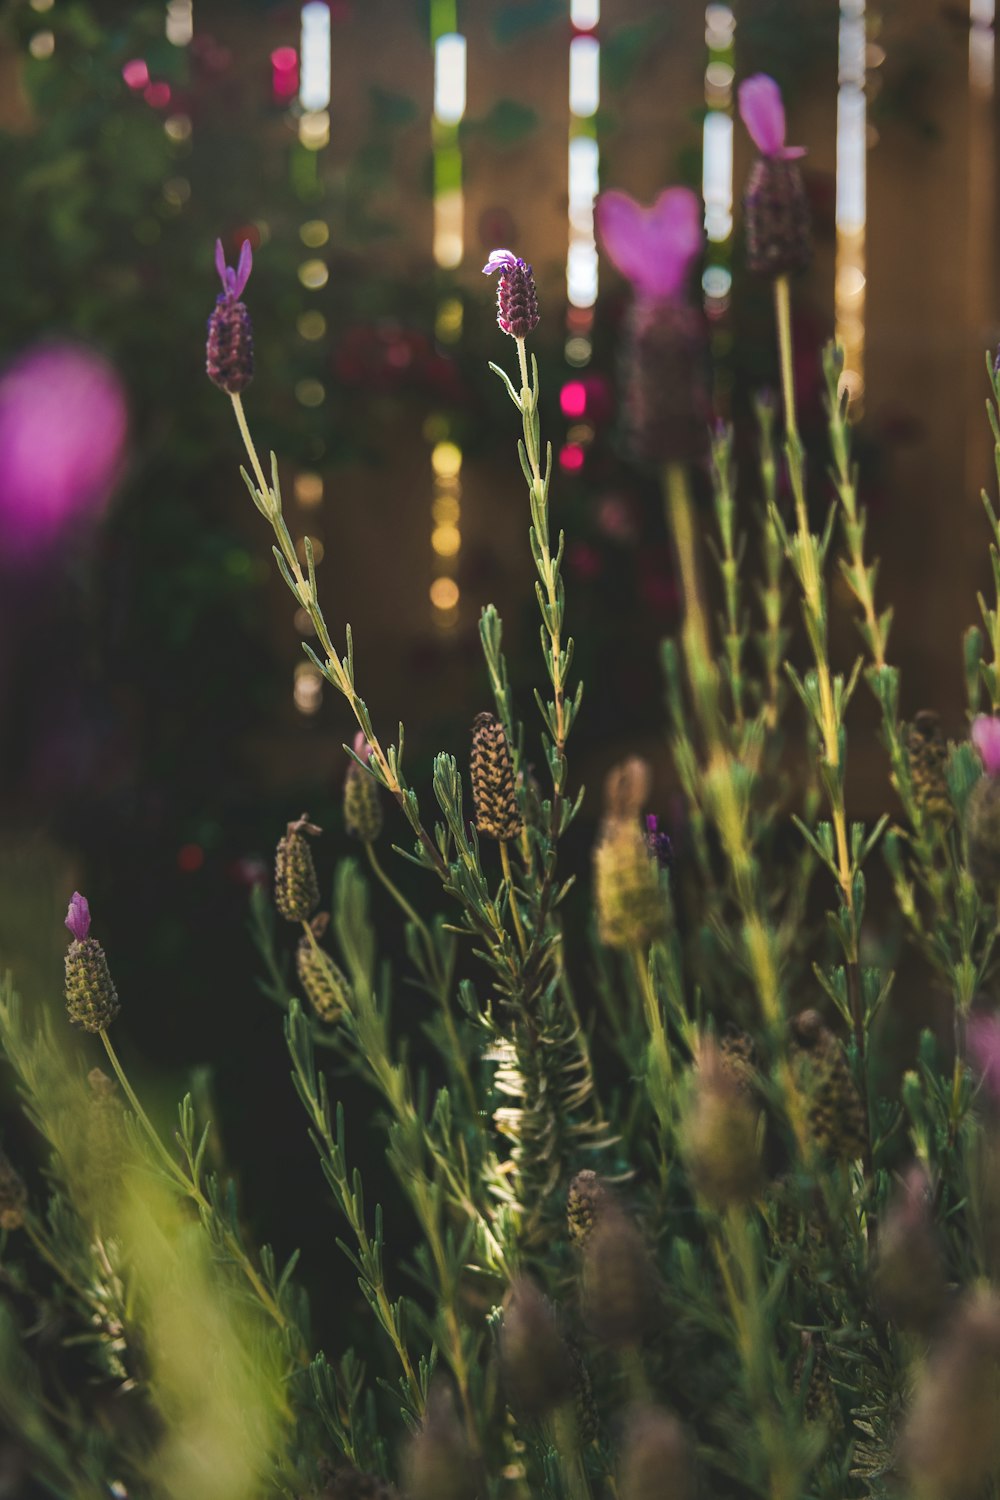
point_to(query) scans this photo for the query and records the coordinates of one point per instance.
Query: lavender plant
(684, 1241)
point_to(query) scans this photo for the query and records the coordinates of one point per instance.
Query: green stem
(248, 443)
(567, 1444)
(456, 1053)
(193, 1191)
(783, 314)
(404, 905)
(522, 942)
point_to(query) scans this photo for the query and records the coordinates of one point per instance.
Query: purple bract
(652, 247)
(986, 738)
(234, 280)
(763, 114)
(78, 916)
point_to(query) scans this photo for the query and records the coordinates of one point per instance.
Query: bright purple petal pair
(986, 738)
(652, 247)
(763, 114)
(78, 916)
(233, 281)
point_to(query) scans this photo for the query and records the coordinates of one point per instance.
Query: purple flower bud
(78, 916)
(229, 350)
(658, 842)
(763, 114)
(986, 738)
(517, 296)
(652, 247)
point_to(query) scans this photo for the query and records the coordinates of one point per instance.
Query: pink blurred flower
(983, 1043)
(63, 428)
(652, 247)
(763, 113)
(616, 518)
(986, 738)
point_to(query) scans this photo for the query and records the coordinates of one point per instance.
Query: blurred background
(158, 722)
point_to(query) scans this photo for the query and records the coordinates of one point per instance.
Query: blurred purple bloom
(78, 916)
(233, 281)
(983, 1042)
(763, 114)
(986, 738)
(658, 842)
(63, 426)
(652, 247)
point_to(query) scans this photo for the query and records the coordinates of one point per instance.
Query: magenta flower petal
(983, 1043)
(763, 113)
(220, 262)
(63, 430)
(652, 247)
(78, 916)
(986, 738)
(501, 260)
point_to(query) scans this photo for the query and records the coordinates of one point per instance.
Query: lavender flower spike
(78, 916)
(229, 350)
(986, 738)
(763, 113)
(517, 297)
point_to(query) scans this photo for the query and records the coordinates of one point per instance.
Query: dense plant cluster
(695, 1239)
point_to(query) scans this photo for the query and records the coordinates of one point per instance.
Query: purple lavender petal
(652, 247)
(78, 916)
(986, 738)
(220, 264)
(763, 114)
(500, 260)
(243, 269)
(983, 1043)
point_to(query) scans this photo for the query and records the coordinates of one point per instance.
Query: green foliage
(785, 1248)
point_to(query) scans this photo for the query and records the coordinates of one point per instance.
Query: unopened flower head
(535, 1362)
(779, 240)
(982, 811)
(491, 772)
(296, 888)
(517, 296)
(909, 1272)
(91, 997)
(362, 807)
(229, 350)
